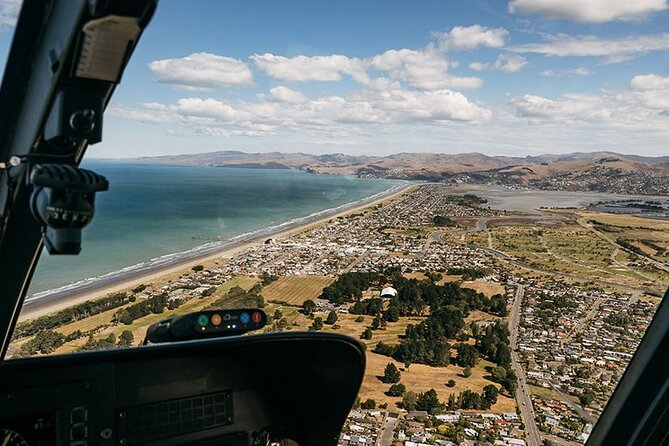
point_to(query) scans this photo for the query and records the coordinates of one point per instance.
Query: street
(533, 438)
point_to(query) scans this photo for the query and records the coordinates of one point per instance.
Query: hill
(596, 171)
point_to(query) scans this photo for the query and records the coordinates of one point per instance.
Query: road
(589, 418)
(583, 322)
(532, 436)
(386, 437)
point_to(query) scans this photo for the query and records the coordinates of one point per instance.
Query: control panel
(205, 324)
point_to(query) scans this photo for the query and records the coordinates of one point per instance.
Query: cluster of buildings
(383, 236)
(575, 343)
(418, 428)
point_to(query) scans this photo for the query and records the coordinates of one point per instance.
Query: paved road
(589, 418)
(386, 437)
(532, 436)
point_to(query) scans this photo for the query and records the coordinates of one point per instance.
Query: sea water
(154, 214)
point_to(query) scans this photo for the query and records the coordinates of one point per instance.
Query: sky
(500, 77)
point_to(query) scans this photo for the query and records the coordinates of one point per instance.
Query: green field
(294, 290)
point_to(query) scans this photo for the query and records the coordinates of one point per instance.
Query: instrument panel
(246, 391)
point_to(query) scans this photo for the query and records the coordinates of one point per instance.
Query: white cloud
(593, 11)
(571, 72)
(426, 69)
(613, 50)
(284, 94)
(642, 107)
(9, 11)
(463, 38)
(363, 112)
(649, 82)
(504, 62)
(309, 68)
(202, 71)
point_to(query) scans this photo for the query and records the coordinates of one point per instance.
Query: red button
(257, 317)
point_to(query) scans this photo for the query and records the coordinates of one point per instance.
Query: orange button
(216, 319)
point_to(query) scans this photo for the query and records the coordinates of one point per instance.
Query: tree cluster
(426, 342)
(348, 286)
(72, 314)
(370, 307)
(391, 374)
(467, 400)
(440, 220)
(155, 304)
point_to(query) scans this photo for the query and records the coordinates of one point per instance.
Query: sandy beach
(58, 300)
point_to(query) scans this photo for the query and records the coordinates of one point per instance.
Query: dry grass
(294, 290)
(421, 378)
(477, 315)
(416, 275)
(628, 220)
(449, 278)
(487, 288)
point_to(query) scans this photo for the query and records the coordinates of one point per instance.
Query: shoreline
(54, 300)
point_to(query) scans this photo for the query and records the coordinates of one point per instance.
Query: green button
(202, 320)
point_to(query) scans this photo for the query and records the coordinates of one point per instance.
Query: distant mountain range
(595, 171)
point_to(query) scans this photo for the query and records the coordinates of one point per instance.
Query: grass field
(543, 392)
(487, 288)
(294, 290)
(421, 378)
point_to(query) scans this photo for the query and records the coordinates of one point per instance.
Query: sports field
(294, 290)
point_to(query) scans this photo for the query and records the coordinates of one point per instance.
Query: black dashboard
(284, 388)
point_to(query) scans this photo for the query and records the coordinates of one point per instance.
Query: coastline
(58, 299)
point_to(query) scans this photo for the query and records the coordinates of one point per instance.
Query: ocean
(154, 214)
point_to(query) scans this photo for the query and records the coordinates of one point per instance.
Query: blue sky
(513, 77)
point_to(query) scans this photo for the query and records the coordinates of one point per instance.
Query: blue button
(245, 318)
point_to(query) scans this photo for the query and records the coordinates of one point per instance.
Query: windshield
(478, 192)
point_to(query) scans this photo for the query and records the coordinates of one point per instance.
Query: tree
(266, 278)
(197, 268)
(468, 355)
(308, 306)
(369, 404)
(467, 372)
(360, 319)
(332, 317)
(586, 398)
(499, 374)
(510, 383)
(440, 220)
(392, 314)
(278, 314)
(450, 383)
(409, 400)
(367, 334)
(378, 323)
(396, 390)
(317, 324)
(391, 374)
(490, 394)
(126, 339)
(428, 401)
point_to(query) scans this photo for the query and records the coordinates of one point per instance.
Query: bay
(153, 211)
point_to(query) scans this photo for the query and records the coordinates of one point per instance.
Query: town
(561, 342)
